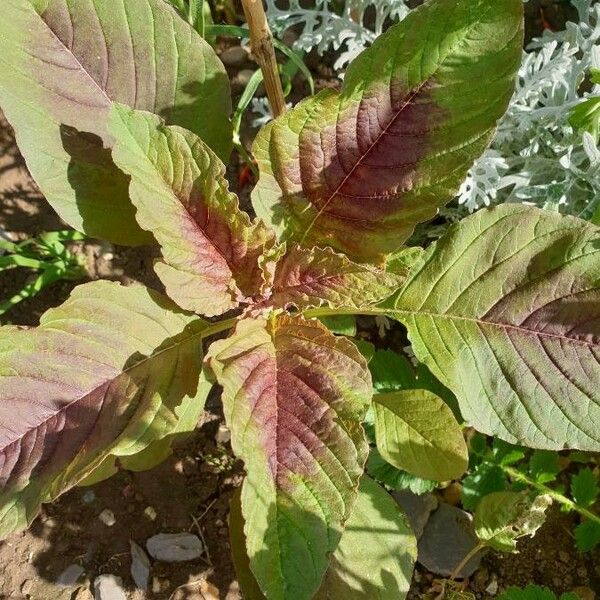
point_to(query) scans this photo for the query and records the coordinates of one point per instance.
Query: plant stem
(461, 565)
(515, 474)
(261, 41)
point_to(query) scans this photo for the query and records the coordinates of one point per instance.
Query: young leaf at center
(211, 250)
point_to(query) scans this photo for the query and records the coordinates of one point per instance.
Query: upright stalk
(261, 41)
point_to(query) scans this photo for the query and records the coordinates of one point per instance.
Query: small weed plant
(121, 111)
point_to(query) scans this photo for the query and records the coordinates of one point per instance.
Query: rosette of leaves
(504, 309)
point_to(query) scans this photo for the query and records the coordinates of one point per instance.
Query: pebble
(88, 497)
(447, 538)
(235, 56)
(83, 594)
(492, 588)
(108, 587)
(223, 434)
(452, 494)
(107, 517)
(242, 78)
(585, 593)
(140, 566)
(150, 513)
(564, 556)
(160, 585)
(417, 508)
(27, 587)
(174, 547)
(70, 575)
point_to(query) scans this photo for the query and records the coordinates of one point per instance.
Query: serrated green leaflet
(356, 170)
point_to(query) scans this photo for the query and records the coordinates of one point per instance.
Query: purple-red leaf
(212, 252)
(294, 396)
(315, 277)
(108, 373)
(356, 170)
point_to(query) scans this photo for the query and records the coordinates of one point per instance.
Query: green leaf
(62, 65)
(507, 454)
(584, 487)
(294, 396)
(212, 252)
(396, 479)
(316, 277)
(505, 311)
(533, 592)
(391, 371)
(108, 374)
(358, 169)
(502, 518)
(587, 535)
(485, 479)
(340, 324)
(377, 552)
(586, 116)
(418, 433)
(544, 466)
(374, 559)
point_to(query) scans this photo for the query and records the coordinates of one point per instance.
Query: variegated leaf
(108, 373)
(212, 252)
(294, 396)
(63, 62)
(356, 170)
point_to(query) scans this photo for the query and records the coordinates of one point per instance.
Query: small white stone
(108, 587)
(150, 513)
(492, 588)
(223, 434)
(107, 517)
